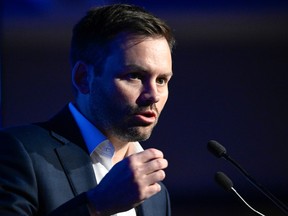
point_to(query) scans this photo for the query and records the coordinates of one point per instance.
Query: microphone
(219, 151)
(225, 182)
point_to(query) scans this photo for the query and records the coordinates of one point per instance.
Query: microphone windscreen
(223, 180)
(216, 148)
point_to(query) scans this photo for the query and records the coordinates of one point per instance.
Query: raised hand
(129, 183)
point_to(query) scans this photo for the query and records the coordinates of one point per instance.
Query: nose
(149, 94)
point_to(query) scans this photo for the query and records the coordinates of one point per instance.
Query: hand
(129, 183)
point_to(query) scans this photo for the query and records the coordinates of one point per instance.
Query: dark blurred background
(230, 85)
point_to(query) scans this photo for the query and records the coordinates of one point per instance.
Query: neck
(120, 150)
(120, 154)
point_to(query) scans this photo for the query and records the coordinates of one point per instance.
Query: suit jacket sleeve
(18, 194)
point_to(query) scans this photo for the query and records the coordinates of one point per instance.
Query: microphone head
(223, 180)
(216, 148)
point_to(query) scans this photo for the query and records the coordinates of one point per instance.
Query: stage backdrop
(230, 84)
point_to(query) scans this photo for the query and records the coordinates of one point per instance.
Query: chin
(134, 134)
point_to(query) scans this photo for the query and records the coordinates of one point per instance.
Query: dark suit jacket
(45, 169)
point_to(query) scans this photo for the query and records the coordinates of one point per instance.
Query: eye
(134, 76)
(162, 80)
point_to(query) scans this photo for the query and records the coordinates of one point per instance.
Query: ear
(80, 77)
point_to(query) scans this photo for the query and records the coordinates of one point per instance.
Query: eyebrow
(132, 67)
(135, 67)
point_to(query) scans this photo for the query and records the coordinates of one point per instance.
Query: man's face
(127, 98)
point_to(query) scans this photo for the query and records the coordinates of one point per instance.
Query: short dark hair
(102, 24)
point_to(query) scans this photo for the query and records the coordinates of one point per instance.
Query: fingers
(148, 154)
(147, 169)
(152, 178)
(153, 169)
(151, 190)
(135, 178)
(148, 162)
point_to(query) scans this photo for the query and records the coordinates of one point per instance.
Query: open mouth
(147, 117)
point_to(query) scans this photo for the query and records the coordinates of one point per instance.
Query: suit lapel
(78, 167)
(145, 209)
(73, 154)
(64, 128)
(157, 205)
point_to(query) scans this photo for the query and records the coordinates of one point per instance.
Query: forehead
(145, 51)
(126, 41)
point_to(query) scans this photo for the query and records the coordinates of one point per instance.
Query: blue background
(230, 84)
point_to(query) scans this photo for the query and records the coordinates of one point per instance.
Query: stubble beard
(114, 121)
(134, 133)
(111, 125)
(126, 130)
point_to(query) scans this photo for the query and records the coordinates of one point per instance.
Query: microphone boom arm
(264, 191)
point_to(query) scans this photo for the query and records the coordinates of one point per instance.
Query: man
(87, 160)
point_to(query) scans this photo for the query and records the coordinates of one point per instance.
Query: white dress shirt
(100, 149)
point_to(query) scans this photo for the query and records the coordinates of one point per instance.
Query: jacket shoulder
(30, 136)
